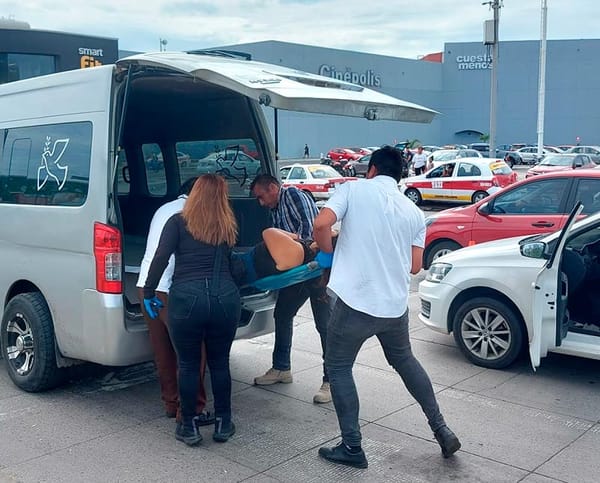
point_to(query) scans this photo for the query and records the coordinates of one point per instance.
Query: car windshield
(444, 155)
(323, 172)
(557, 160)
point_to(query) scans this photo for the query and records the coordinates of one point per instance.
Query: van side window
(46, 165)
(155, 169)
(237, 160)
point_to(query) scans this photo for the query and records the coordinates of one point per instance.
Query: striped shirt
(295, 212)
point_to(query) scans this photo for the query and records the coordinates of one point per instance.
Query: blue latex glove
(325, 260)
(152, 306)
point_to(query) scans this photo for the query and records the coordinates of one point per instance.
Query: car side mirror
(485, 209)
(533, 250)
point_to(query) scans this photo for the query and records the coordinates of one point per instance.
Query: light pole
(163, 45)
(542, 81)
(493, 41)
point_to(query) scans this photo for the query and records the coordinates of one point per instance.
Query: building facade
(26, 53)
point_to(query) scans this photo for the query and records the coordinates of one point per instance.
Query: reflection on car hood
(548, 169)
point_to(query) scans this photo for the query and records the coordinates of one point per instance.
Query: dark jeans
(419, 170)
(195, 317)
(289, 301)
(348, 330)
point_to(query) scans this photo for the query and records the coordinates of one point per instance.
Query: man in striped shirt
(294, 211)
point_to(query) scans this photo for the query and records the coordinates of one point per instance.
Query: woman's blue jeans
(195, 316)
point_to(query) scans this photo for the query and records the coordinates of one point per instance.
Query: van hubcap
(486, 333)
(19, 346)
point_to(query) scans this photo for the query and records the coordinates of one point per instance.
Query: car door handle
(543, 224)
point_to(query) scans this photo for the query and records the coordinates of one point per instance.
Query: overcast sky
(401, 28)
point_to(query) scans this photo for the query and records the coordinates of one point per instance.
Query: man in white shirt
(164, 353)
(372, 295)
(419, 161)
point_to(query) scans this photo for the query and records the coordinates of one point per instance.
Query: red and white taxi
(466, 180)
(319, 180)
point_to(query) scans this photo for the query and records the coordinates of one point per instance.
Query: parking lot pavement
(515, 425)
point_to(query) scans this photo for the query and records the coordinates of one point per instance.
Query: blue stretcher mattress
(296, 275)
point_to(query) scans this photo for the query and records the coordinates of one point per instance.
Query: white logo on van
(49, 167)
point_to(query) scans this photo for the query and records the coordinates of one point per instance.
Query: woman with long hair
(204, 302)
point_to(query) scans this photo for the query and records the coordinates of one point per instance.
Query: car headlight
(437, 272)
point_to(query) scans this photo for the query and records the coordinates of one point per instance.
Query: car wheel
(478, 196)
(28, 343)
(438, 250)
(488, 332)
(414, 196)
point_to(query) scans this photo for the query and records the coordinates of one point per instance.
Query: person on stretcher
(278, 252)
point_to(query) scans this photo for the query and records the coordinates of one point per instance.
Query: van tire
(27, 321)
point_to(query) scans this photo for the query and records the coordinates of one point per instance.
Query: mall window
(15, 67)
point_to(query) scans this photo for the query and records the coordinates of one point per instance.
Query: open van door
(549, 318)
(284, 88)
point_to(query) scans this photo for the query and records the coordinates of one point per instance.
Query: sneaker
(323, 395)
(223, 430)
(189, 435)
(341, 454)
(273, 376)
(447, 441)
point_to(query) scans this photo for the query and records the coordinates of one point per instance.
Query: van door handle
(542, 224)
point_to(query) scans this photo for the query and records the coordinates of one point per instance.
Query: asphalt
(515, 425)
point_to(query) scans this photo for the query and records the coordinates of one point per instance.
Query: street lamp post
(542, 82)
(162, 45)
(493, 41)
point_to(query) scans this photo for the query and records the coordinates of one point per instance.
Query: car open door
(283, 88)
(549, 319)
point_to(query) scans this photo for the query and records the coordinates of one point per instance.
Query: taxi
(466, 180)
(318, 180)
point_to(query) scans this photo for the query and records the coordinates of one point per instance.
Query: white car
(500, 296)
(318, 180)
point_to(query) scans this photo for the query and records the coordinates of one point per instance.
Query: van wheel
(488, 332)
(438, 250)
(478, 196)
(28, 343)
(414, 196)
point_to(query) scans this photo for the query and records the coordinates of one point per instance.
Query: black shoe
(223, 430)
(205, 418)
(342, 455)
(190, 435)
(447, 440)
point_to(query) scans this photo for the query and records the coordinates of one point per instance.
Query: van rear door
(284, 88)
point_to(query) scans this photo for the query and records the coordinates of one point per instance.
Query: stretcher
(293, 276)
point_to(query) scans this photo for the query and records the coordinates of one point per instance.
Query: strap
(216, 275)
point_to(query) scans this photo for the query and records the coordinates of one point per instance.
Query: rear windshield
(500, 167)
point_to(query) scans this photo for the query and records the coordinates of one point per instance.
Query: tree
(484, 138)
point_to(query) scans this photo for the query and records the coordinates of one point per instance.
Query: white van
(87, 157)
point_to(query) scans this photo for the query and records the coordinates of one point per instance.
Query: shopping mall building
(456, 83)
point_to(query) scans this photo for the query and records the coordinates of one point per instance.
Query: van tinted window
(46, 165)
(237, 160)
(155, 169)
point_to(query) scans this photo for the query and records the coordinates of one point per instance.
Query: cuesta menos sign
(474, 62)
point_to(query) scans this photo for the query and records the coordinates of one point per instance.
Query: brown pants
(166, 359)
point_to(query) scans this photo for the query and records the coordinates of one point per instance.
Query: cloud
(401, 28)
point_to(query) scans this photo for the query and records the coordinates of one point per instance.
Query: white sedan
(500, 296)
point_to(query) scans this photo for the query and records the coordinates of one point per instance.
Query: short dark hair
(389, 161)
(264, 180)
(187, 186)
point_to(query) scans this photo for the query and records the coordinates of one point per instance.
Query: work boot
(188, 433)
(323, 395)
(343, 455)
(224, 429)
(273, 376)
(447, 441)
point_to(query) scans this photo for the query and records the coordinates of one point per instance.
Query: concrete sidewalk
(514, 425)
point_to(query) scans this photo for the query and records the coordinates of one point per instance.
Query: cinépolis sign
(367, 78)
(474, 62)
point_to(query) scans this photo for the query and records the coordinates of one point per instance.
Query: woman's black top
(264, 265)
(194, 259)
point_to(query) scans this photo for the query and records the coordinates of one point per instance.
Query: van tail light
(108, 254)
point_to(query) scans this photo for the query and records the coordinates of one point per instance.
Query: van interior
(176, 127)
